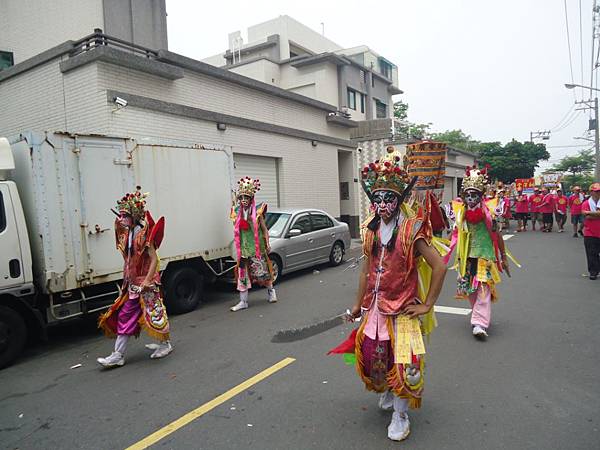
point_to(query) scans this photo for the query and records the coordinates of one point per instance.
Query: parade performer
(140, 305)
(535, 200)
(400, 281)
(480, 251)
(251, 238)
(521, 209)
(560, 213)
(575, 202)
(591, 230)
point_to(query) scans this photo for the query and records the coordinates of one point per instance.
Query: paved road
(533, 384)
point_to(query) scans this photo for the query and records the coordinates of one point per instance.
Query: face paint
(472, 198)
(385, 203)
(245, 200)
(125, 219)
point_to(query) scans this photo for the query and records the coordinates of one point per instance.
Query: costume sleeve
(121, 233)
(585, 207)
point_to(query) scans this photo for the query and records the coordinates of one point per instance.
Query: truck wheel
(183, 290)
(13, 335)
(337, 254)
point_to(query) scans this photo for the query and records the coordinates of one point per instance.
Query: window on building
(380, 110)
(6, 60)
(372, 81)
(363, 99)
(363, 76)
(320, 222)
(351, 99)
(385, 68)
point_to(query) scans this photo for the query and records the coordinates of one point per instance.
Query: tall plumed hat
(385, 174)
(248, 186)
(133, 203)
(476, 179)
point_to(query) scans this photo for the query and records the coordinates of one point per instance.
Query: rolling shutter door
(263, 168)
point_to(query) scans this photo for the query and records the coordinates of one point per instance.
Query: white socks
(243, 303)
(121, 344)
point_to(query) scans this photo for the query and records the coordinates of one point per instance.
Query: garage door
(263, 168)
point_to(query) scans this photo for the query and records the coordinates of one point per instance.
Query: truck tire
(13, 335)
(184, 288)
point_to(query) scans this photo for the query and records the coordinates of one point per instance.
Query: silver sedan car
(303, 238)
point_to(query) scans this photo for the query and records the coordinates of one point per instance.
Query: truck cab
(16, 278)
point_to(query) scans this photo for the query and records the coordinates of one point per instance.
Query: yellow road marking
(200, 411)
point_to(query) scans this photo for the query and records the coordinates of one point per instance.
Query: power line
(577, 114)
(581, 44)
(560, 122)
(569, 46)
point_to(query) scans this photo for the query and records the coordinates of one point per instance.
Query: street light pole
(597, 127)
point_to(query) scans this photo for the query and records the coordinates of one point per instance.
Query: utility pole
(593, 104)
(543, 135)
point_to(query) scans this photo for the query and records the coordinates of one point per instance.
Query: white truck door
(11, 262)
(104, 179)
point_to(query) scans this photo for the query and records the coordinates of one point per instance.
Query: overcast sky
(495, 69)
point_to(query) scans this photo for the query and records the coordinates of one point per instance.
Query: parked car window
(302, 223)
(276, 223)
(320, 222)
(2, 214)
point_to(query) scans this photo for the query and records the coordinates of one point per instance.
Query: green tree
(408, 128)
(458, 139)
(582, 163)
(513, 160)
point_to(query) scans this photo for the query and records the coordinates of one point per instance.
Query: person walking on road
(535, 200)
(575, 202)
(547, 208)
(140, 306)
(388, 345)
(251, 239)
(521, 210)
(561, 203)
(591, 230)
(480, 251)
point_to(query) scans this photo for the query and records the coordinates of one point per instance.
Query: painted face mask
(385, 203)
(125, 219)
(472, 198)
(245, 200)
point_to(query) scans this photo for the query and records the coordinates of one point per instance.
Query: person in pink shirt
(547, 208)
(575, 202)
(535, 201)
(591, 230)
(521, 210)
(560, 213)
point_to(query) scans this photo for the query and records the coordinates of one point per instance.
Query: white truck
(57, 244)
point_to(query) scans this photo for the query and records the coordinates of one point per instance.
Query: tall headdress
(248, 186)
(134, 203)
(385, 174)
(476, 179)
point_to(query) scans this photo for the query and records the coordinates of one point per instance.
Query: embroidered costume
(388, 348)
(480, 251)
(251, 243)
(140, 306)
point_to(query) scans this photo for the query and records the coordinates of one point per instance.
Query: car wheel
(184, 288)
(337, 254)
(13, 335)
(276, 264)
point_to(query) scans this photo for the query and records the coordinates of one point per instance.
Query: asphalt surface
(533, 384)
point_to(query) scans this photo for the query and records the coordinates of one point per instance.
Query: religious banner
(427, 160)
(525, 184)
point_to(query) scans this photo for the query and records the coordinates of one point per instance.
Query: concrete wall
(318, 81)
(143, 22)
(261, 70)
(291, 30)
(29, 27)
(201, 91)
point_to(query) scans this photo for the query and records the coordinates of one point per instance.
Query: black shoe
(593, 276)
(575, 235)
(581, 232)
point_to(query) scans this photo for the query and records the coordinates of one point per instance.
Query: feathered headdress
(476, 178)
(385, 174)
(133, 203)
(248, 186)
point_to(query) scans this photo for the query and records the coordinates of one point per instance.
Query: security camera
(120, 102)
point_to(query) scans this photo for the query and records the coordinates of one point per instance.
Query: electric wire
(565, 117)
(569, 46)
(581, 45)
(568, 123)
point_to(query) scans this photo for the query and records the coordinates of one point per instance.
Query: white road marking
(506, 237)
(452, 310)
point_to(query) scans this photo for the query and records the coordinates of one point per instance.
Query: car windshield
(276, 223)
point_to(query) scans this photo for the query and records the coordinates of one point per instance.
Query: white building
(295, 144)
(285, 53)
